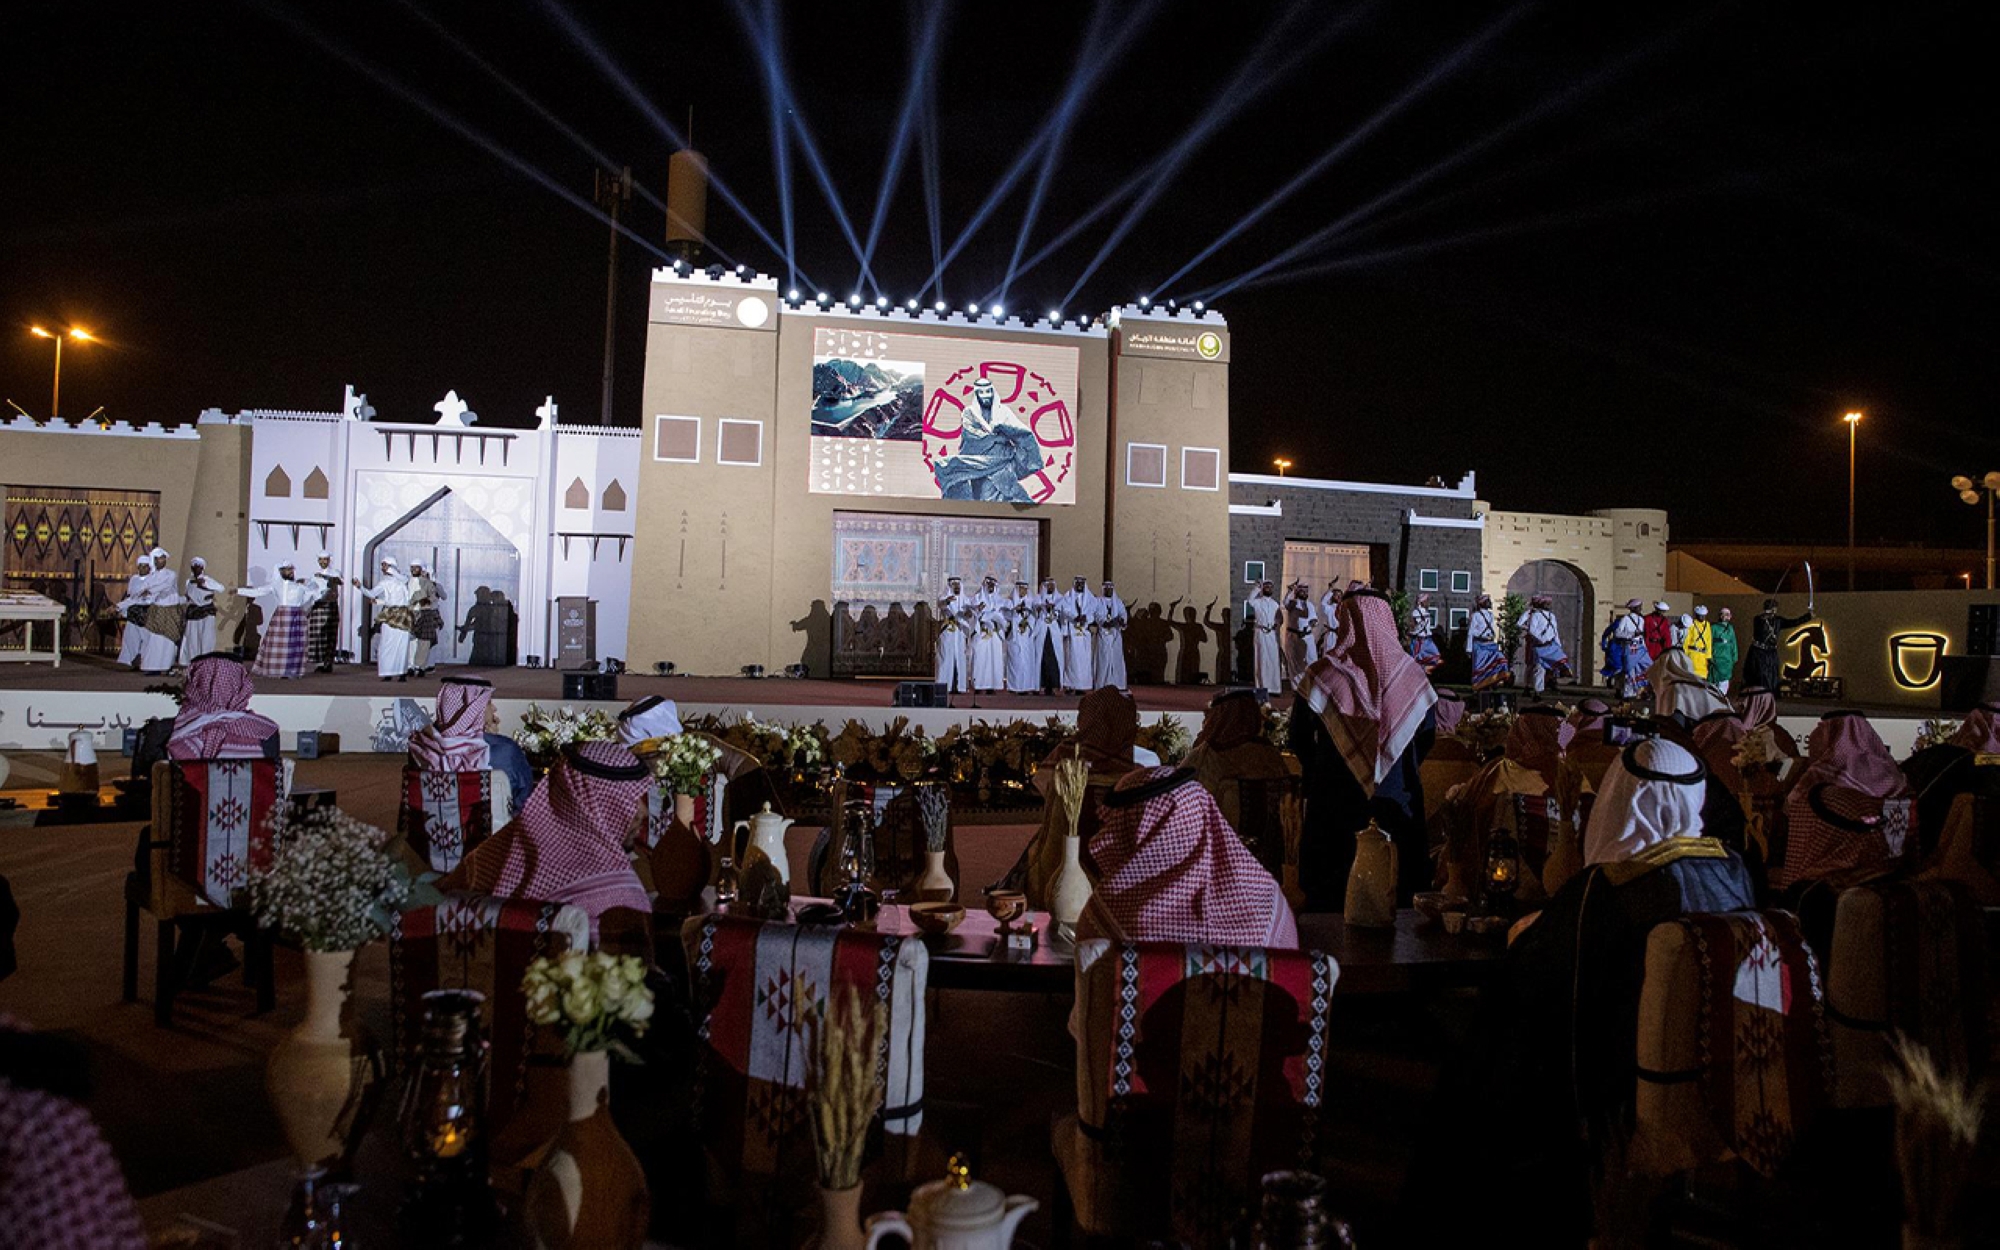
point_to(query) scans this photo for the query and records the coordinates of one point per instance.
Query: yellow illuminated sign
(1915, 658)
(1815, 651)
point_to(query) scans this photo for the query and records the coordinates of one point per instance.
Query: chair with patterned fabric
(477, 942)
(1534, 826)
(1199, 1069)
(753, 985)
(1733, 1059)
(211, 823)
(1908, 957)
(445, 814)
(1259, 800)
(710, 818)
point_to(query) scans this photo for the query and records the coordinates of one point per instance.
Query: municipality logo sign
(1208, 345)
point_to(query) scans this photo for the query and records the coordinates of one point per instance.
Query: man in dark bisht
(1361, 724)
(1767, 636)
(1966, 763)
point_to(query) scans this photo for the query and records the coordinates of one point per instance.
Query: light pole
(1853, 420)
(55, 393)
(1282, 464)
(1969, 490)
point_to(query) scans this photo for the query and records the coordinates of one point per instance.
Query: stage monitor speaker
(315, 743)
(1966, 681)
(587, 685)
(922, 694)
(1982, 629)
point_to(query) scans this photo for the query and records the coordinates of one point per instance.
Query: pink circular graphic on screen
(1030, 398)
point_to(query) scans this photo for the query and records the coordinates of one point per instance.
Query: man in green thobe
(1722, 665)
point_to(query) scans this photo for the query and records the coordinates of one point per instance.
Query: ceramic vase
(322, 1077)
(935, 884)
(589, 1189)
(1565, 858)
(683, 863)
(1070, 890)
(840, 1219)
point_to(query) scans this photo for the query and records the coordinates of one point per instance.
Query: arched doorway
(463, 551)
(1571, 600)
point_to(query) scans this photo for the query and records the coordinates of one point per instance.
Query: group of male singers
(1047, 642)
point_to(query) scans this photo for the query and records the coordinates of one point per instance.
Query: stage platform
(41, 705)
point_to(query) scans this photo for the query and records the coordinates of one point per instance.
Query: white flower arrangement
(802, 743)
(1758, 749)
(1936, 730)
(594, 999)
(329, 884)
(1171, 741)
(545, 732)
(684, 761)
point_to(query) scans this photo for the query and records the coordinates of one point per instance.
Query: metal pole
(1989, 539)
(1852, 428)
(55, 395)
(613, 193)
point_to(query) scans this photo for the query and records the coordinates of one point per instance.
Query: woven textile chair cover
(754, 984)
(1733, 1056)
(1258, 802)
(1534, 826)
(1199, 1069)
(444, 815)
(213, 817)
(1908, 957)
(477, 942)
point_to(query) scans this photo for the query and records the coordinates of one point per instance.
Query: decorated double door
(78, 546)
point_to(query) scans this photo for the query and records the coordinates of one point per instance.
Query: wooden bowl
(1435, 903)
(936, 918)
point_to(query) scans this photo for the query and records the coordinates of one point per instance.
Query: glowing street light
(1853, 420)
(78, 333)
(1969, 491)
(1282, 464)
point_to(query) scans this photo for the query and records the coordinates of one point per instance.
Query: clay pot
(324, 1076)
(589, 1189)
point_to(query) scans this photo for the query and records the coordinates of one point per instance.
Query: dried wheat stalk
(1072, 783)
(841, 1085)
(1937, 1135)
(1292, 820)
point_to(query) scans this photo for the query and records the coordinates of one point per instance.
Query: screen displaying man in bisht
(996, 449)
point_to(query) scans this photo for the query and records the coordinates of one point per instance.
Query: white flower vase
(589, 1189)
(1069, 893)
(935, 884)
(322, 1077)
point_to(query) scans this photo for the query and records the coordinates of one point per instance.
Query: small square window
(1201, 468)
(1461, 617)
(739, 442)
(1427, 579)
(1461, 582)
(1253, 572)
(1145, 464)
(677, 439)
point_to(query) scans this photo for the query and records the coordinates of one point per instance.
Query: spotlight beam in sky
(1058, 121)
(1250, 81)
(1562, 99)
(561, 127)
(923, 55)
(592, 50)
(1437, 74)
(438, 114)
(766, 37)
(927, 154)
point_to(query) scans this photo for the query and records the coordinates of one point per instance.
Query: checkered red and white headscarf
(1981, 730)
(215, 722)
(1369, 693)
(1170, 869)
(567, 843)
(1107, 725)
(59, 1183)
(1844, 750)
(1537, 739)
(456, 740)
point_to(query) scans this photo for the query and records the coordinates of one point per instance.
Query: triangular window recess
(614, 497)
(316, 484)
(279, 484)
(577, 496)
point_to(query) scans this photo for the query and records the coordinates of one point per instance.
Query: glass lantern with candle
(1503, 870)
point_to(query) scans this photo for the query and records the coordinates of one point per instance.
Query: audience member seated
(1361, 725)
(1575, 970)
(1528, 765)
(568, 845)
(1231, 748)
(1107, 727)
(1969, 763)
(461, 740)
(59, 1182)
(642, 724)
(1168, 868)
(215, 721)
(1449, 711)
(1585, 744)
(1679, 693)
(1835, 831)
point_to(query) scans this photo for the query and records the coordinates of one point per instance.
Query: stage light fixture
(1145, 301)
(939, 306)
(614, 665)
(663, 668)
(824, 297)
(792, 295)
(1173, 305)
(973, 309)
(715, 273)
(913, 305)
(996, 310)
(1199, 306)
(881, 301)
(741, 270)
(1055, 318)
(755, 671)
(854, 301)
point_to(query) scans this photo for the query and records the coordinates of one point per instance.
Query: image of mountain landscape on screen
(868, 399)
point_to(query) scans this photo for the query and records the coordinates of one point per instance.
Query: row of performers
(1072, 641)
(169, 622)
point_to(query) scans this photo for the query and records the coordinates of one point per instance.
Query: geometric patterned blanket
(219, 823)
(444, 815)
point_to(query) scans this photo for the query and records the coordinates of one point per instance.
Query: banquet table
(27, 609)
(1415, 956)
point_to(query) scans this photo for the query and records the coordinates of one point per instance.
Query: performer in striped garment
(425, 598)
(394, 618)
(323, 617)
(282, 652)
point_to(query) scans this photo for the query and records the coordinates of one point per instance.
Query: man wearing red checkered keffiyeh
(1833, 813)
(59, 1183)
(567, 845)
(215, 721)
(456, 740)
(1169, 868)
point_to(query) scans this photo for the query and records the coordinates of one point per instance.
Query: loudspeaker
(599, 686)
(315, 743)
(921, 694)
(1966, 681)
(1982, 629)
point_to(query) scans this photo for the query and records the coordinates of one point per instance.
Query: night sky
(1608, 258)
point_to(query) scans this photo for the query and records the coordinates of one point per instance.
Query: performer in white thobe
(133, 606)
(394, 618)
(1329, 620)
(1265, 616)
(160, 649)
(1051, 650)
(1545, 654)
(952, 654)
(427, 602)
(1297, 639)
(1077, 613)
(989, 645)
(198, 631)
(1112, 618)
(1024, 661)
(281, 652)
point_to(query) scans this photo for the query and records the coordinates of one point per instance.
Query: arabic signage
(1143, 338)
(716, 307)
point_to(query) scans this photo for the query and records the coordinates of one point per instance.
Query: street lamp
(1969, 490)
(1853, 420)
(80, 335)
(1282, 464)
